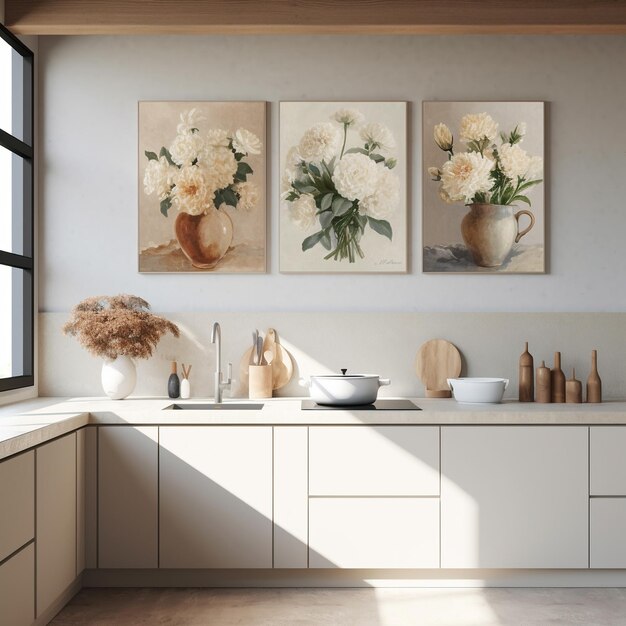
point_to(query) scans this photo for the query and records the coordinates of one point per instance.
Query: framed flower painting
(343, 168)
(483, 187)
(202, 178)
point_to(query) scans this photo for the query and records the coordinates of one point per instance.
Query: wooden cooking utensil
(437, 360)
(282, 366)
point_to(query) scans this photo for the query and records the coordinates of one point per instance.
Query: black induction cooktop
(379, 405)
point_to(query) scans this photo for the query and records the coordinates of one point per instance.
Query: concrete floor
(343, 607)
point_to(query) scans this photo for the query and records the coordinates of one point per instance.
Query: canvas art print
(483, 187)
(202, 187)
(343, 187)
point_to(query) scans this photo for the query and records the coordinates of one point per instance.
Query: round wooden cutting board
(437, 360)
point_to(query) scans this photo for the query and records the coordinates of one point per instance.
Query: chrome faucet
(216, 338)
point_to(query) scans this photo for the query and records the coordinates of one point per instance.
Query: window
(16, 213)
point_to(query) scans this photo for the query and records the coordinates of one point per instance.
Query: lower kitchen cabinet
(607, 530)
(514, 497)
(374, 533)
(17, 588)
(56, 519)
(215, 496)
(128, 459)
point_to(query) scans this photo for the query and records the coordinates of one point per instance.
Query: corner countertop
(27, 424)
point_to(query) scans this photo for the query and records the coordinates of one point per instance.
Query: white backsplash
(379, 343)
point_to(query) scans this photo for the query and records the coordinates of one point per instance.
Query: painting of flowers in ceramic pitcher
(483, 187)
(202, 187)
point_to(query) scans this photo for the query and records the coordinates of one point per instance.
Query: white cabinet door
(215, 496)
(291, 498)
(608, 529)
(56, 519)
(374, 532)
(17, 502)
(128, 497)
(514, 497)
(607, 445)
(374, 461)
(17, 588)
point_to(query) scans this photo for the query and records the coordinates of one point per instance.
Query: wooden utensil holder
(260, 381)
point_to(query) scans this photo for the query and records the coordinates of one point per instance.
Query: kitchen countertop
(27, 424)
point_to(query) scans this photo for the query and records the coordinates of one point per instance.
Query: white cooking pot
(478, 390)
(344, 390)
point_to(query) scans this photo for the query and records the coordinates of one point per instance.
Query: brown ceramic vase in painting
(490, 230)
(204, 239)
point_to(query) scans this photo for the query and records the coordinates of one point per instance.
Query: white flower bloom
(385, 198)
(302, 211)
(191, 193)
(515, 161)
(521, 129)
(350, 117)
(246, 142)
(378, 135)
(355, 176)
(443, 194)
(320, 142)
(478, 126)
(292, 162)
(188, 120)
(435, 172)
(465, 175)
(159, 177)
(443, 137)
(248, 195)
(186, 148)
(221, 167)
(217, 138)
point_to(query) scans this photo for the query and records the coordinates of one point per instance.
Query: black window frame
(25, 150)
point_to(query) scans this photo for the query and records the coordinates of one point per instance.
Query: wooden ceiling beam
(113, 17)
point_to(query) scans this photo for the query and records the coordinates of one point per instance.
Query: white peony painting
(343, 170)
(483, 187)
(202, 187)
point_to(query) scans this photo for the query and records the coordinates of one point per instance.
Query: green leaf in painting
(356, 151)
(382, 227)
(340, 206)
(326, 218)
(166, 205)
(166, 153)
(151, 156)
(326, 202)
(229, 196)
(314, 170)
(325, 240)
(243, 169)
(311, 240)
(377, 157)
(521, 198)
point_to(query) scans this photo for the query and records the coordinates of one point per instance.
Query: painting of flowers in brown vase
(202, 198)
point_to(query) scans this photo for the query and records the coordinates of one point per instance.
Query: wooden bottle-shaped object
(573, 389)
(544, 387)
(557, 380)
(526, 376)
(594, 384)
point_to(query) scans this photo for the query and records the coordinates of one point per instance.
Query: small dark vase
(173, 383)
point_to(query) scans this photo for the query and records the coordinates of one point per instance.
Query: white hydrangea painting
(483, 187)
(343, 191)
(202, 187)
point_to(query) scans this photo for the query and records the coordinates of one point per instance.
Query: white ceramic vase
(119, 377)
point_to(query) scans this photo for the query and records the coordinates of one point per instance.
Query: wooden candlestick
(557, 380)
(573, 389)
(594, 384)
(526, 379)
(544, 387)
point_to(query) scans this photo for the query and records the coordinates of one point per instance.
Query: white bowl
(478, 390)
(344, 390)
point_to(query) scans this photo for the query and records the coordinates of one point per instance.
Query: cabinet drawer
(608, 460)
(17, 588)
(17, 498)
(608, 529)
(374, 461)
(374, 533)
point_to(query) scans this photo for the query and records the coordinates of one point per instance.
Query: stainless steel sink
(223, 406)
